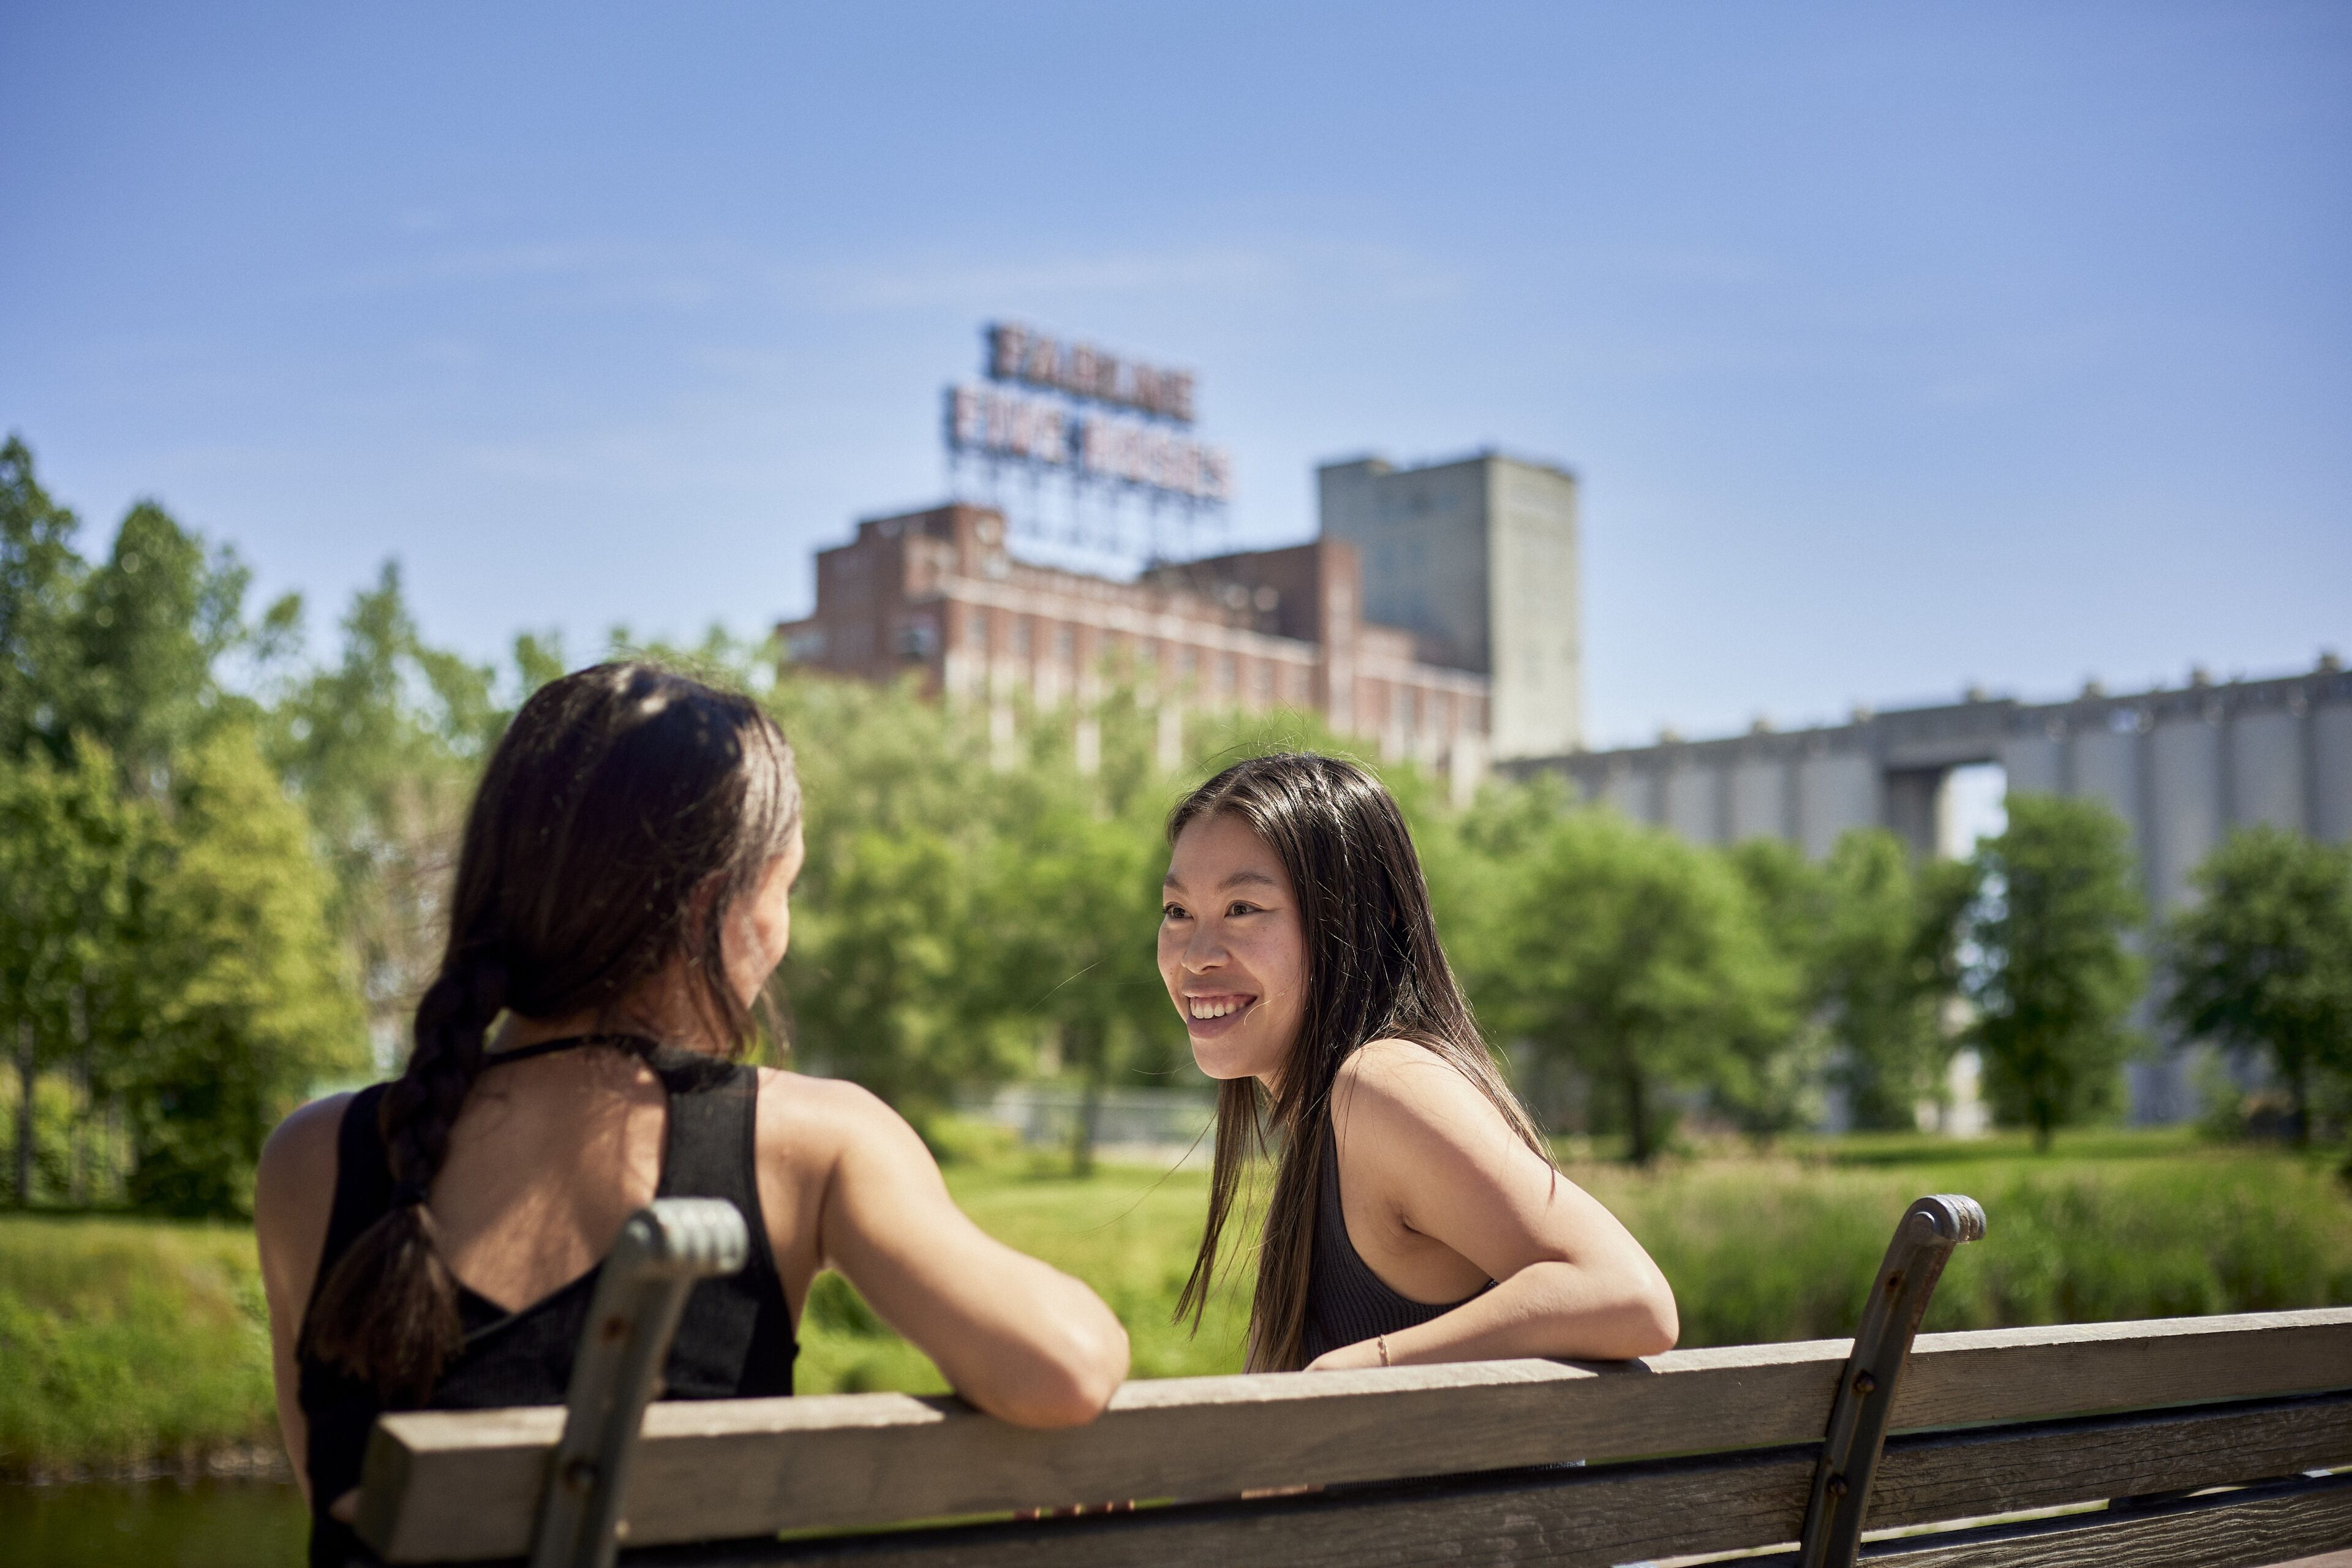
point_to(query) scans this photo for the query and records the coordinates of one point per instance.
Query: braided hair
(624, 811)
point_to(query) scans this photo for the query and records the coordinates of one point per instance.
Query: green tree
(1878, 959)
(884, 981)
(2053, 920)
(383, 748)
(1474, 860)
(126, 652)
(244, 994)
(69, 847)
(1069, 915)
(40, 587)
(160, 945)
(2263, 962)
(156, 621)
(1777, 1086)
(1639, 960)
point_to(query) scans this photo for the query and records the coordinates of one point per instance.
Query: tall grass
(1762, 1252)
(128, 1341)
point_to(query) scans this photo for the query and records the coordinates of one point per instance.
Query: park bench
(2193, 1440)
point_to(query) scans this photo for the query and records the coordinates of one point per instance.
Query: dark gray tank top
(1346, 1301)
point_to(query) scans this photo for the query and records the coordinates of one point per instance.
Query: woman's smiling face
(1231, 949)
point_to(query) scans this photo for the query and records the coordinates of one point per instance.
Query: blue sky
(1898, 346)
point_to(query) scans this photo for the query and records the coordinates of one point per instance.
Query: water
(173, 1524)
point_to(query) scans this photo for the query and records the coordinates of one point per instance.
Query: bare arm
(1571, 1281)
(1016, 1337)
(293, 1193)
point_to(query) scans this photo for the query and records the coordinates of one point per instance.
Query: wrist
(1363, 1353)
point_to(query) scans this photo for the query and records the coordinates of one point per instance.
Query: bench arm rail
(1915, 1260)
(661, 1252)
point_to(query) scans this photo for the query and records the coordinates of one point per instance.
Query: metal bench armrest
(661, 1252)
(1915, 1260)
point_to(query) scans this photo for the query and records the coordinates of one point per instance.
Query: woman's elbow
(1652, 1321)
(1070, 1383)
(1628, 1312)
(1657, 1323)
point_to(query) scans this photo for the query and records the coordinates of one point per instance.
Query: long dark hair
(624, 812)
(1374, 971)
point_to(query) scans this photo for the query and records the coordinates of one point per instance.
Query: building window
(1411, 709)
(1224, 672)
(1263, 678)
(975, 628)
(1021, 636)
(1066, 643)
(1190, 663)
(918, 638)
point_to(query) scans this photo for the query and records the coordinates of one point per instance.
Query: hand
(1363, 1352)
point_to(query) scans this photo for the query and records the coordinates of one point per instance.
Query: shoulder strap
(1329, 1208)
(713, 1106)
(363, 1179)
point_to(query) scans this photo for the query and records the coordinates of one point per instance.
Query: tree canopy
(2262, 963)
(2054, 920)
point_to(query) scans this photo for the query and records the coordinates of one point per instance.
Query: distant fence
(1146, 1124)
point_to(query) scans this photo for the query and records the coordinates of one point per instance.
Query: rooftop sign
(994, 423)
(1021, 353)
(1000, 422)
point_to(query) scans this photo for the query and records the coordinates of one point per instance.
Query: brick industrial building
(937, 593)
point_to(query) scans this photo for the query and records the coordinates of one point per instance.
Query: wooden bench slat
(1565, 1520)
(2252, 1528)
(1972, 1475)
(466, 1483)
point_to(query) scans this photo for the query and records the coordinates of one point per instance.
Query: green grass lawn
(126, 1339)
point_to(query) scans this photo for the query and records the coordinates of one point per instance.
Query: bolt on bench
(2176, 1441)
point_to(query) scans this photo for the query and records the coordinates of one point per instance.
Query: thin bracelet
(1384, 1349)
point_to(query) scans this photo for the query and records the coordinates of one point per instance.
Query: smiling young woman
(1416, 1214)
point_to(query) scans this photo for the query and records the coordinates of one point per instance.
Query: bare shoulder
(299, 1160)
(802, 1117)
(1402, 1088)
(294, 1186)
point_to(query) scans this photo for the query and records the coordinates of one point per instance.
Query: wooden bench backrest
(2238, 1399)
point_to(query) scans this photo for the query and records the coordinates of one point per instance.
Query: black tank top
(735, 1340)
(1346, 1301)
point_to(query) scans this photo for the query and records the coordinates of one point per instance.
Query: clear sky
(1898, 346)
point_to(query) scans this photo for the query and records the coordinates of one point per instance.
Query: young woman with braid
(621, 899)
(1416, 1215)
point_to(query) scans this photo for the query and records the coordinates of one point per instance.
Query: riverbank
(138, 1345)
(132, 1346)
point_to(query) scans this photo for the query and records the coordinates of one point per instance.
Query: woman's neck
(656, 1012)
